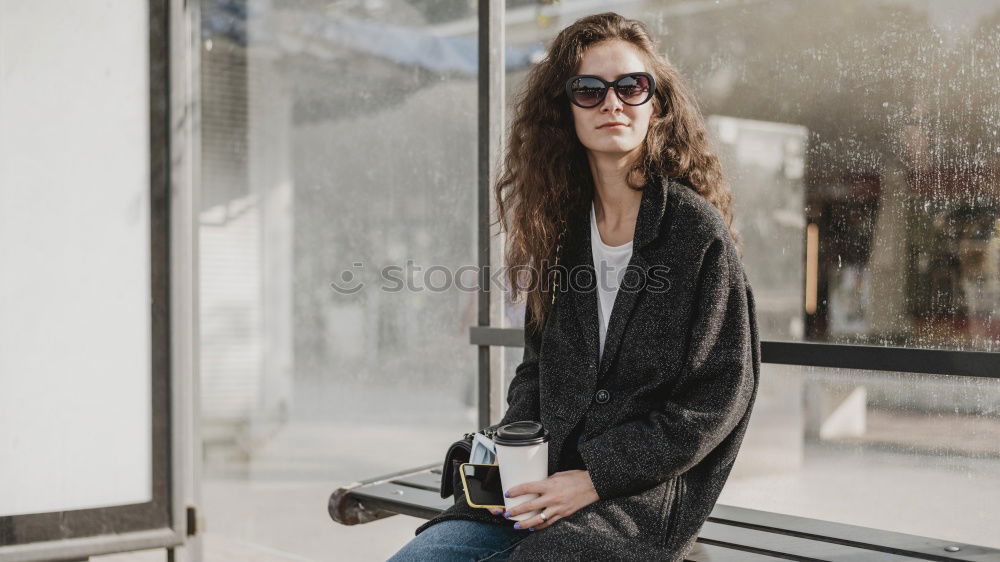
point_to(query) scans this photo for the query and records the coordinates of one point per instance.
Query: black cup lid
(521, 433)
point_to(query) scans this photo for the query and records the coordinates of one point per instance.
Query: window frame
(165, 521)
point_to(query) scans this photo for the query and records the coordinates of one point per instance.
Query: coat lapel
(652, 208)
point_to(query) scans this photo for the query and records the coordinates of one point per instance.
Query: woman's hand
(561, 495)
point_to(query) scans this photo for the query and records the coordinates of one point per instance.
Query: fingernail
(531, 528)
(517, 525)
(506, 494)
(506, 514)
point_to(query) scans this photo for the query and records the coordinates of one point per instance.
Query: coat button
(602, 396)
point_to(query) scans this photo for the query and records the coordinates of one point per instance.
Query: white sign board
(75, 380)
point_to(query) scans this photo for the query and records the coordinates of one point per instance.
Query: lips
(612, 124)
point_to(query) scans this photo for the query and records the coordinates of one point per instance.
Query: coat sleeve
(715, 387)
(522, 394)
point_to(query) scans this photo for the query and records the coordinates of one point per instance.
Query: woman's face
(609, 60)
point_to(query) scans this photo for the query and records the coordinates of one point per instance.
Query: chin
(615, 148)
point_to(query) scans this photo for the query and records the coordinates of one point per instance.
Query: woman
(646, 406)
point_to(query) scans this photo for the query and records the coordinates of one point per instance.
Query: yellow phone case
(465, 488)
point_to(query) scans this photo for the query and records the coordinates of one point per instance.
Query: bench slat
(402, 499)
(426, 480)
(731, 536)
(710, 553)
(830, 532)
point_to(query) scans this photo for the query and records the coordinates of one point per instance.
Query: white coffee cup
(523, 455)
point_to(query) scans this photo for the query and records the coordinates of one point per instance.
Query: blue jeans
(458, 539)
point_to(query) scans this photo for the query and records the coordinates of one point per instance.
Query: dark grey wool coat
(663, 414)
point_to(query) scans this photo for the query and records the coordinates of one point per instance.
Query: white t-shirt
(609, 275)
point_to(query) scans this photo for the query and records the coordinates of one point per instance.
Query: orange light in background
(812, 267)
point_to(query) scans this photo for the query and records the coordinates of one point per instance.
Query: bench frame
(730, 533)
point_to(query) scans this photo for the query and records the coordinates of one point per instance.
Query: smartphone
(482, 485)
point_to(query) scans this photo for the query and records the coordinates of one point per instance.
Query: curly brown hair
(545, 172)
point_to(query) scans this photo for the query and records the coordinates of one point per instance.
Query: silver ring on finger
(543, 516)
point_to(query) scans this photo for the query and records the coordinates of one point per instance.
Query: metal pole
(490, 129)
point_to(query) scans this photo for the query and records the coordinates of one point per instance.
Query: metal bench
(730, 534)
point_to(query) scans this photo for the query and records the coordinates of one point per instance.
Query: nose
(611, 102)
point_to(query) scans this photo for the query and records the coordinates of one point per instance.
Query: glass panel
(339, 141)
(900, 452)
(75, 288)
(861, 142)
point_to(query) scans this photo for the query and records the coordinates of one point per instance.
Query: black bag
(459, 452)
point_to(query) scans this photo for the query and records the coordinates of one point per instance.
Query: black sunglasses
(587, 90)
